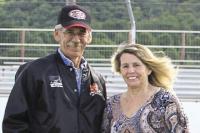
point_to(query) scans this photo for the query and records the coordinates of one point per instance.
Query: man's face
(73, 41)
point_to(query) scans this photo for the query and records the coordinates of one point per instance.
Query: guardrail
(107, 49)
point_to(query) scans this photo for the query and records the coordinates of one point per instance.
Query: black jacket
(44, 99)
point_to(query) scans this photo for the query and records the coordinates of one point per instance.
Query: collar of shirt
(68, 62)
(78, 72)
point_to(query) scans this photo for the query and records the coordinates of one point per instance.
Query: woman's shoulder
(164, 97)
(114, 99)
(165, 94)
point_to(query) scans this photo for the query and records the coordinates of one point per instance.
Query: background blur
(172, 26)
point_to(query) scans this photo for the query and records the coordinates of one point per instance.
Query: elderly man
(59, 93)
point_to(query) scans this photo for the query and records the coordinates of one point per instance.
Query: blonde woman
(149, 105)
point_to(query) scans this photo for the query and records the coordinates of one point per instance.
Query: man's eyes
(81, 33)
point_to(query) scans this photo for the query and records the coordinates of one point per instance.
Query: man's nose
(76, 38)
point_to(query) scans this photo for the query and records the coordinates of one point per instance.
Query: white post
(132, 34)
(69, 2)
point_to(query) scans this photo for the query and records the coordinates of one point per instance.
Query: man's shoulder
(37, 66)
(39, 63)
(97, 73)
(44, 60)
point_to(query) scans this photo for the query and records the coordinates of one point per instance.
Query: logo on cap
(77, 14)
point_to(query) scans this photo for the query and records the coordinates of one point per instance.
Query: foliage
(151, 14)
(106, 14)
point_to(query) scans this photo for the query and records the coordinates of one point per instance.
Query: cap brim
(78, 25)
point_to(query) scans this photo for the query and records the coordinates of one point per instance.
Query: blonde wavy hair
(163, 71)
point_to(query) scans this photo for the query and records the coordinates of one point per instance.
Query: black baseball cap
(74, 16)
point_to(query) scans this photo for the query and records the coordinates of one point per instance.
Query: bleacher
(186, 86)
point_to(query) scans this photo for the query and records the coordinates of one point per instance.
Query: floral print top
(162, 113)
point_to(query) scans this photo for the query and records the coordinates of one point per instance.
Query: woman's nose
(131, 69)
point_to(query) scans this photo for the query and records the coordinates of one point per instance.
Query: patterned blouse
(161, 114)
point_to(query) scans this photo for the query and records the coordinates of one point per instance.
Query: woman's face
(133, 70)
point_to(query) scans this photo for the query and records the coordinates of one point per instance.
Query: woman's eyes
(125, 66)
(133, 65)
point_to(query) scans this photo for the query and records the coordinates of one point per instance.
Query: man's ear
(56, 35)
(89, 39)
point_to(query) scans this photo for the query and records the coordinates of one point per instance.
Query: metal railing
(104, 52)
(23, 45)
(29, 44)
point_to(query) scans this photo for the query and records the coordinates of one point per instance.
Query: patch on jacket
(94, 89)
(55, 81)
